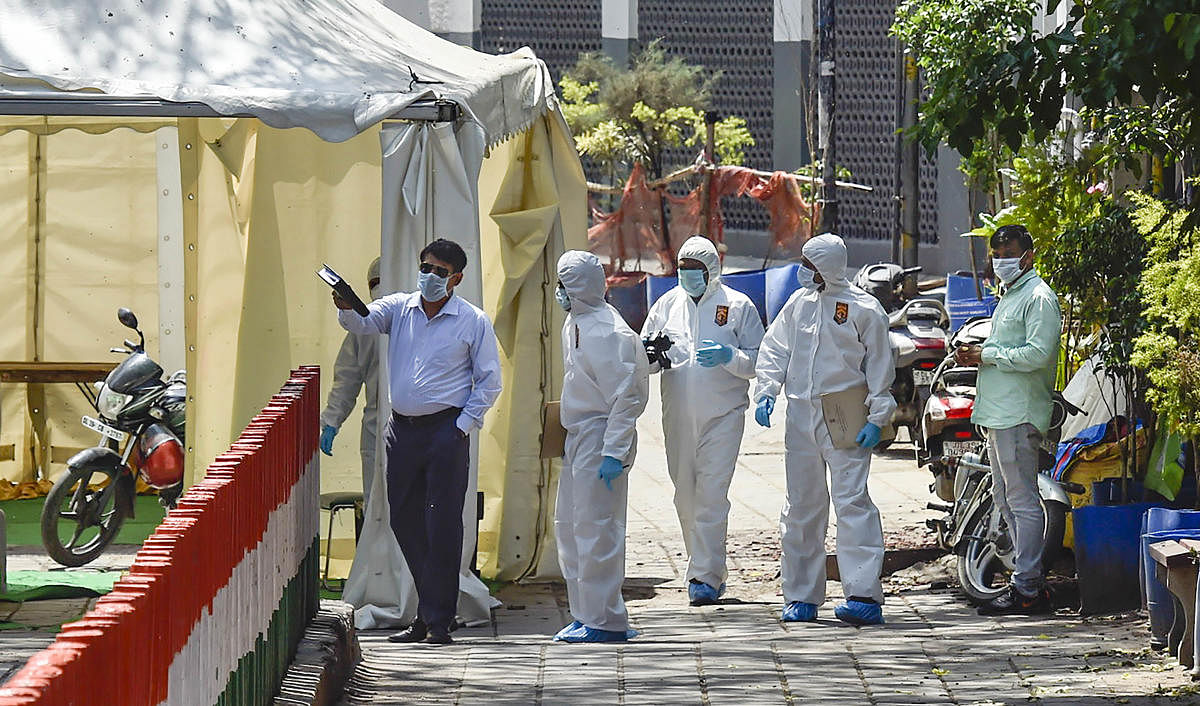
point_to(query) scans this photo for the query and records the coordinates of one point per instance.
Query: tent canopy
(335, 67)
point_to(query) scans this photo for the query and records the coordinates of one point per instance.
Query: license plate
(958, 448)
(99, 426)
(922, 377)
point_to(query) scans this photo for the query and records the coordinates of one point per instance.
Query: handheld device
(342, 289)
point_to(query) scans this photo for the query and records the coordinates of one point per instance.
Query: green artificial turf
(41, 585)
(23, 519)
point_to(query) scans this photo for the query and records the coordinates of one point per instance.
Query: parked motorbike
(917, 334)
(134, 406)
(945, 429)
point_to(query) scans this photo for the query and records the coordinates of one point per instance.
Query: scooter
(134, 406)
(917, 333)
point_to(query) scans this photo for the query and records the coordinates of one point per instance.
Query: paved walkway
(933, 650)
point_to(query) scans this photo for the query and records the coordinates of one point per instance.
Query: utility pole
(826, 124)
(911, 169)
(710, 163)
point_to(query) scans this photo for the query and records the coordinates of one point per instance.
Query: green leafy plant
(621, 117)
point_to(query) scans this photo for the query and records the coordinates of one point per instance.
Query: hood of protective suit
(582, 276)
(827, 252)
(700, 248)
(373, 270)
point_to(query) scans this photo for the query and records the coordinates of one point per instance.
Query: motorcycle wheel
(984, 568)
(79, 522)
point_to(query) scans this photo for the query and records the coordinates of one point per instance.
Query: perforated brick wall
(557, 30)
(866, 122)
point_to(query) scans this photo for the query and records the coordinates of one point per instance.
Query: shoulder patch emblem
(841, 312)
(722, 316)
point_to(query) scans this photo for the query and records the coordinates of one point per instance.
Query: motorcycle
(945, 429)
(135, 406)
(917, 334)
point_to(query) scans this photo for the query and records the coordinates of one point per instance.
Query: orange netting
(632, 235)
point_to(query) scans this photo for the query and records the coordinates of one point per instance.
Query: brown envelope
(554, 436)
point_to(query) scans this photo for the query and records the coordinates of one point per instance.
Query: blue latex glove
(710, 354)
(610, 470)
(762, 413)
(868, 437)
(327, 434)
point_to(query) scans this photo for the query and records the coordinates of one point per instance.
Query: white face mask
(564, 300)
(807, 277)
(433, 288)
(376, 291)
(1008, 269)
(692, 282)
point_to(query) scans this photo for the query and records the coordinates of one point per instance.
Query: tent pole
(38, 444)
(188, 148)
(172, 343)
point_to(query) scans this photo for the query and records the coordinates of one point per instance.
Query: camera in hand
(656, 349)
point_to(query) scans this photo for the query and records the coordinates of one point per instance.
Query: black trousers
(427, 473)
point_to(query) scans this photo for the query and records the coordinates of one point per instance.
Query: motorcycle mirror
(127, 319)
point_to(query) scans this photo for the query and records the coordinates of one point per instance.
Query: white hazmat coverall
(357, 366)
(704, 409)
(827, 340)
(605, 388)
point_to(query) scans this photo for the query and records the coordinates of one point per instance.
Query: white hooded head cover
(827, 252)
(373, 270)
(582, 276)
(700, 248)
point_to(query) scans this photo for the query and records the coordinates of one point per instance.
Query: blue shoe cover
(799, 612)
(574, 626)
(702, 594)
(859, 613)
(587, 634)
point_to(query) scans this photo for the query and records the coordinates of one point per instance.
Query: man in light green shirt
(1017, 365)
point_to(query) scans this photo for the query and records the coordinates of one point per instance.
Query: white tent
(245, 208)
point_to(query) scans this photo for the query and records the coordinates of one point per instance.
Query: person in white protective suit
(356, 366)
(715, 333)
(830, 337)
(605, 389)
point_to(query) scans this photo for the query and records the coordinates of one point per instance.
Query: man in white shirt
(443, 375)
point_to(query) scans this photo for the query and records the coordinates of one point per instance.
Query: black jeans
(427, 473)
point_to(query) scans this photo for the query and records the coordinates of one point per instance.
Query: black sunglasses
(438, 270)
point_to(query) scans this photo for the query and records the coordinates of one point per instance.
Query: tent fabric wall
(79, 236)
(533, 207)
(273, 206)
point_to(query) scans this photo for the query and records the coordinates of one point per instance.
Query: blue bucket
(1108, 556)
(1161, 523)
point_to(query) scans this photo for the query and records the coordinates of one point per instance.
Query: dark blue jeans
(427, 472)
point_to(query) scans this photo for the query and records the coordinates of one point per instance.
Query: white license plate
(97, 425)
(958, 448)
(922, 377)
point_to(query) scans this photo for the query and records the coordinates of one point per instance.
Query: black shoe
(438, 638)
(1013, 602)
(413, 633)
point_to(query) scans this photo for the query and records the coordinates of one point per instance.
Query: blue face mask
(1008, 269)
(563, 299)
(433, 288)
(692, 282)
(807, 277)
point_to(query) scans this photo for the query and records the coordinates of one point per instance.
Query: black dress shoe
(1013, 602)
(413, 633)
(438, 638)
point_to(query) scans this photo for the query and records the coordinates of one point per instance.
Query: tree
(1133, 64)
(625, 116)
